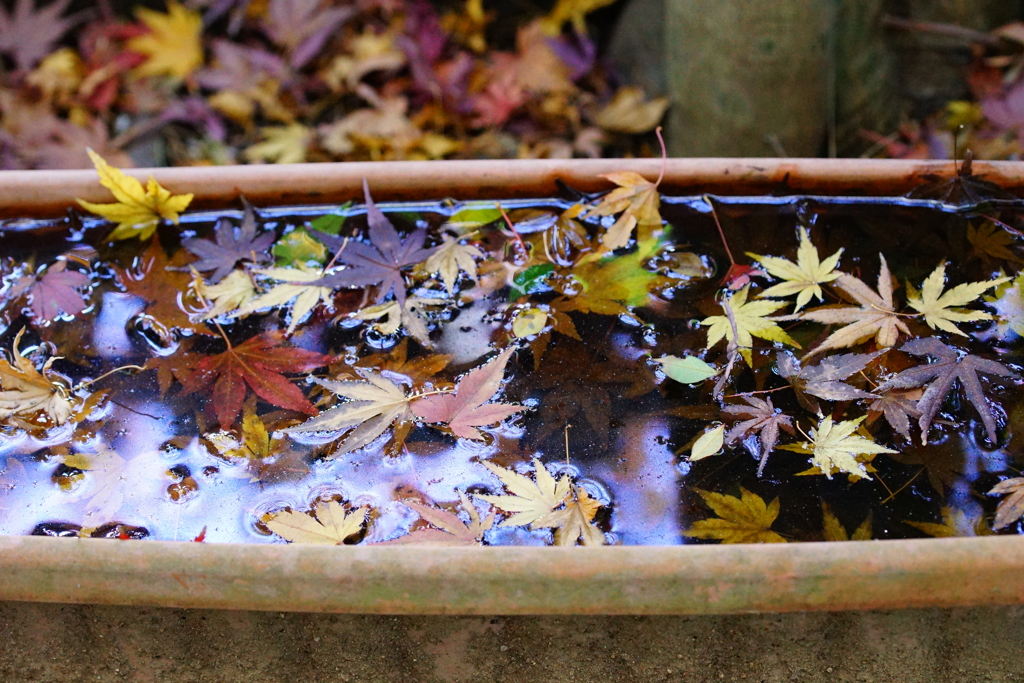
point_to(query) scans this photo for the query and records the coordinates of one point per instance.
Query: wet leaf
(152, 277)
(452, 257)
(824, 379)
(25, 391)
(876, 317)
(331, 525)
(54, 291)
(575, 521)
(751, 321)
(231, 246)
(229, 295)
(954, 523)
(803, 278)
(740, 520)
(833, 529)
(836, 445)
(949, 365)
(530, 500)
(636, 200)
(259, 364)
(897, 407)
(303, 288)
(173, 45)
(382, 261)
(392, 316)
(1011, 508)
(448, 529)
(709, 443)
(138, 211)
(468, 408)
(268, 459)
(686, 370)
(759, 416)
(530, 280)
(941, 309)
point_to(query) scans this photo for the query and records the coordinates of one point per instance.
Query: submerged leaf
(740, 520)
(833, 529)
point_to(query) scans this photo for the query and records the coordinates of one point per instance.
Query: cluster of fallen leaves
(227, 309)
(285, 81)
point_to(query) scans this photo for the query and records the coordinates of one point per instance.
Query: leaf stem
(664, 156)
(344, 244)
(519, 239)
(89, 382)
(721, 233)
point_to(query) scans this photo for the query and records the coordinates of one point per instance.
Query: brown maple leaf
(467, 408)
(637, 200)
(448, 529)
(762, 417)
(1010, 508)
(824, 379)
(950, 365)
(897, 407)
(153, 278)
(258, 363)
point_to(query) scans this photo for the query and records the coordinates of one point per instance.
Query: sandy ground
(67, 643)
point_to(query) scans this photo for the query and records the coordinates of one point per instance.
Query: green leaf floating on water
(299, 248)
(473, 216)
(686, 370)
(530, 280)
(622, 279)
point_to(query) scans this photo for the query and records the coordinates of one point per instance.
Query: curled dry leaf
(26, 392)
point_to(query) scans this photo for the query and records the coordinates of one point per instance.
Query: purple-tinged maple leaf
(949, 365)
(303, 26)
(240, 68)
(28, 34)
(380, 262)
(54, 291)
(762, 417)
(468, 407)
(231, 246)
(576, 51)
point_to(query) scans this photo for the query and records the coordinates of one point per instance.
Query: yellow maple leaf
(532, 500)
(833, 529)
(228, 295)
(138, 210)
(751, 321)
(803, 278)
(297, 285)
(954, 523)
(637, 199)
(281, 144)
(941, 309)
(834, 445)
(174, 43)
(332, 524)
(740, 520)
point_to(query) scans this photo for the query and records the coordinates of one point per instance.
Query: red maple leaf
(258, 363)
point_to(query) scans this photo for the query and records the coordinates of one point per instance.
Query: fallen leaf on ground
(28, 34)
(740, 520)
(173, 46)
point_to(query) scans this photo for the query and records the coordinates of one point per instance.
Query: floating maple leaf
(740, 520)
(173, 45)
(876, 317)
(302, 287)
(382, 261)
(950, 365)
(138, 211)
(28, 34)
(750, 321)
(758, 416)
(938, 307)
(257, 363)
(834, 445)
(25, 391)
(268, 458)
(232, 245)
(54, 291)
(1010, 508)
(375, 403)
(897, 407)
(467, 408)
(229, 295)
(954, 523)
(544, 503)
(392, 316)
(803, 278)
(450, 529)
(637, 200)
(331, 525)
(824, 380)
(450, 258)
